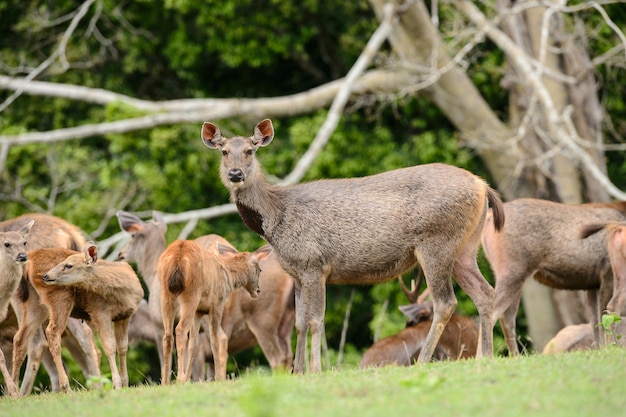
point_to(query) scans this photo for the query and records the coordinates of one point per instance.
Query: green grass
(574, 384)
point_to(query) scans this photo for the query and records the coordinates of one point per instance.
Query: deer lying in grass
(581, 337)
(616, 248)
(539, 240)
(365, 230)
(196, 282)
(458, 341)
(267, 320)
(47, 231)
(103, 293)
(12, 260)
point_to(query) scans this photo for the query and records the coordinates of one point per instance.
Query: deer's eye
(68, 266)
(7, 245)
(249, 152)
(224, 153)
(25, 243)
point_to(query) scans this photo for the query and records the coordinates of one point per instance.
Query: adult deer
(365, 230)
(267, 320)
(540, 239)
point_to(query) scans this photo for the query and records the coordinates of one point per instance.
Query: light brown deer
(615, 245)
(48, 231)
(196, 282)
(540, 240)
(458, 341)
(12, 260)
(103, 293)
(40, 261)
(365, 230)
(267, 320)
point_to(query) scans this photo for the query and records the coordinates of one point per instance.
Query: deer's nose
(21, 257)
(235, 175)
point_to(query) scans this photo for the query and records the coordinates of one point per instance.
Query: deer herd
(207, 300)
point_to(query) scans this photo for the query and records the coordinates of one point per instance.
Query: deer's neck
(148, 265)
(258, 207)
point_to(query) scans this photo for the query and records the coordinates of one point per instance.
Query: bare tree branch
(59, 53)
(339, 103)
(557, 123)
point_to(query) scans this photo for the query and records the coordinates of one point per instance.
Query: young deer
(12, 259)
(47, 231)
(197, 282)
(539, 240)
(267, 320)
(458, 341)
(365, 230)
(103, 293)
(40, 261)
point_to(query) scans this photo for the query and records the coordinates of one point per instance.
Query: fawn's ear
(212, 136)
(225, 250)
(263, 133)
(90, 251)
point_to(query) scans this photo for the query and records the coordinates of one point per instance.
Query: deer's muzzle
(235, 175)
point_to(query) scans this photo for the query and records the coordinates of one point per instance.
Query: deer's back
(374, 223)
(543, 236)
(48, 231)
(458, 341)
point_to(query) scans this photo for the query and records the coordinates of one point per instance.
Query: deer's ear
(263, 133)
(212, 136)
(129, 222)
(25, 230)
(225, 250)
(90, 251)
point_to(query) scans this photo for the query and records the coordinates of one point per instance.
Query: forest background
(101, 105)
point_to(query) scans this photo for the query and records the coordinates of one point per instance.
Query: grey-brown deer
(103, 293)
(12, 260)
(615, 245)
(540, 239)
(47, 231)
(267, 320)
(365, 230)
(194, 283)
(458, 341)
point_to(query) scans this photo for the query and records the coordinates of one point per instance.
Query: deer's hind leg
(437, 268)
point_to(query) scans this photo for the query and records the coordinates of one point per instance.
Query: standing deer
(540, 240)
(47, 231)
(616, 248)
(40, 261)
(267, 320)
(196, 282)
(103, 293)
(12, 259)
(458, 341)
(365, 230)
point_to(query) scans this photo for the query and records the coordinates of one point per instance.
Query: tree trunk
(543, 169)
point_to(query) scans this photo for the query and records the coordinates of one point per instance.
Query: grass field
(575, 384)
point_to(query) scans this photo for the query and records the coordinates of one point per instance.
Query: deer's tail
(497, 208)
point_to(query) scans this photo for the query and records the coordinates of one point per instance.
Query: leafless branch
(58, 54)
(344, 93)
(557, 123)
